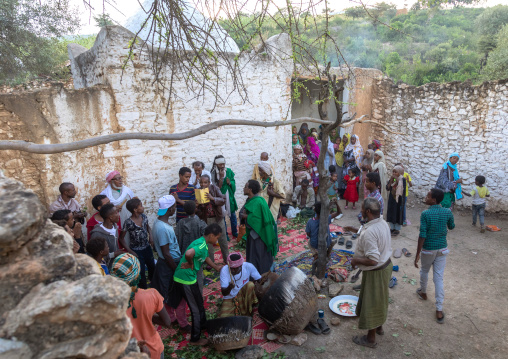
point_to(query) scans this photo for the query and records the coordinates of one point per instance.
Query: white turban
(266, 167)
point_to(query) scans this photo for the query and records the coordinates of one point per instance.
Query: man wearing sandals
(372, 256)
(434, 224)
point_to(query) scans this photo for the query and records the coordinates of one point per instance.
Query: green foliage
(497, 63)
(428, 44)
(29, 34)
(103, 20)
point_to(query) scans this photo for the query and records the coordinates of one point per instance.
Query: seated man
(236, 287)
(305, 198)
(312, 231)
(66, 201)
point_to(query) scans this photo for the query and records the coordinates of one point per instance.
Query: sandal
(363, 341)
(341, 241)
(395, 233)
(313, 329)
(354, 207)
(397, 253)
(380, 331)
(349, 244)
(406, 252)
(325, 329)
(345, 207)
(393, 282)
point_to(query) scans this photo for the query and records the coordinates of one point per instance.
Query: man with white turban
(255, 173)
(271, 189)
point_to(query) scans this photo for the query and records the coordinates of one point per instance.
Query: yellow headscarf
(339, 155)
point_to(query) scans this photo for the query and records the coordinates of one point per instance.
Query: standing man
(261, 231)
(434, 224)
(271, 189)
(211, 212)
(183, 191)
(372, 256)
(224, 178)
(167, 248)
(255, 173)
(305, 198)
(198, 169)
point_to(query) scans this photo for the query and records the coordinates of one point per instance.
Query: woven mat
(291, 245)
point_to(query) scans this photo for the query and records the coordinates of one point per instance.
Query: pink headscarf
(314, 148)
(111, 175)
(237, 263)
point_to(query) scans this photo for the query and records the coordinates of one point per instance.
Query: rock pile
(53, 304)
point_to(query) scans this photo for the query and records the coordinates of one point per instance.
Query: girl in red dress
(351, 194)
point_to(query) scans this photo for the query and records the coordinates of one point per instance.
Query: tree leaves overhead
(28, 33)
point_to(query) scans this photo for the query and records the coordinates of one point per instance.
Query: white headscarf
(266, 167)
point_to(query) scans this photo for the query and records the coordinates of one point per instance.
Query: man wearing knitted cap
(236, 287)
(118, 195)
(143, 304)
(224, 178)
(271, 189)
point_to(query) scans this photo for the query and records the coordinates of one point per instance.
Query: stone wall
(107, 100)
(435, 120)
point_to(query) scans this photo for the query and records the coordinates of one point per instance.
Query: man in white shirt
(372, 256)
(198, 169)
(236, 287)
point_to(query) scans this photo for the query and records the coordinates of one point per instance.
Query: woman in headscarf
(379, 166)
(118, 195)
(295, 140)
(334, 134)
(300, 172)
(330, 156)
(353, 155)
(449, 181)
(271, 189)
(397, 190)
(143, 304)
(339, 158)
(304, 133)
(312, 149)
(368, 159)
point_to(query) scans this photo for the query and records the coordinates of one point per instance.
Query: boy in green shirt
(186, 275)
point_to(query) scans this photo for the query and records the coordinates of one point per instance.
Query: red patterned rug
(292, 240)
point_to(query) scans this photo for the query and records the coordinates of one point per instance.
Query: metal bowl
(230, 332)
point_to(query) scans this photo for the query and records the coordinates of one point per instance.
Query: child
(479, 193)
(186, 275)
(73, 228)
(312, 231)
(143, 305)
(97, 202)
(409, 183)
(334, 189)
(141, 241)
(351, 194)
(98, 248)
(108, 230)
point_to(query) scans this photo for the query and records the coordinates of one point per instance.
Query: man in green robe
(224, 178)
(261, 233)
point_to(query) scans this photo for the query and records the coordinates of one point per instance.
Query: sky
(121, 10)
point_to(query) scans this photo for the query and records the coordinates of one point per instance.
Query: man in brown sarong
(236, 287)
(372, 256)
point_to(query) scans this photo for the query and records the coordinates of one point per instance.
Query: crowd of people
(191, 219)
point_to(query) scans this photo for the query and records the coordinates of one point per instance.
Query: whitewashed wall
(438, 119)
(128, 102)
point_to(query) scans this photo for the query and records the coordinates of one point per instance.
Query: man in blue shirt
(312, 231)
(432, 246)
(168, 251)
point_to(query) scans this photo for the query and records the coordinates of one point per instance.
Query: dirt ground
(476, 301)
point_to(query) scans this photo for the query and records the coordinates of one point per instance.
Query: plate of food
(344, 305)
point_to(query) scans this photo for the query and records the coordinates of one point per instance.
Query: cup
(321, 313)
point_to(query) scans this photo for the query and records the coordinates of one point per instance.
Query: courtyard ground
(476, 300)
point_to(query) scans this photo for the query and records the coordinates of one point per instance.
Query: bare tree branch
(102, 140)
